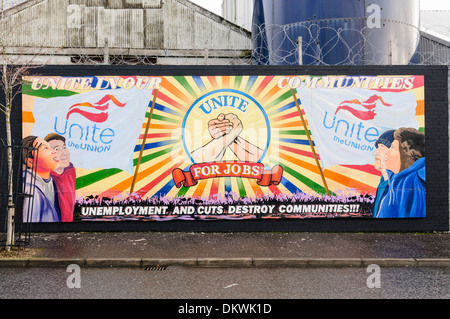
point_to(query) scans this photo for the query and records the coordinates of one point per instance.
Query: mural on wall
(116, 148)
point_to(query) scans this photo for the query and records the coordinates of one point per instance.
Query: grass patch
(17, 253)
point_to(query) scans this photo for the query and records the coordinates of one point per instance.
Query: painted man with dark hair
(64, 176)
(39, 159)
(383, 144)
(400, 156)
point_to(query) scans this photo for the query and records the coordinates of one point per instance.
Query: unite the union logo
(226, 132)
(86, 109)
(85, 126)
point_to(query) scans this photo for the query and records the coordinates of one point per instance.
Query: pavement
(239, 249)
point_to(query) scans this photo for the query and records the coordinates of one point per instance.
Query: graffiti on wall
(116, 148)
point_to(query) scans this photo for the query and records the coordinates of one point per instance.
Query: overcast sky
(216, 5)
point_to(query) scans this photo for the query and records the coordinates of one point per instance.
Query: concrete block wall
(448, 97)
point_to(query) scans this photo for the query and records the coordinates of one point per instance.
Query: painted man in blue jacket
(400, 156)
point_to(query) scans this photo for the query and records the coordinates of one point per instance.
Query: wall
(437, 149)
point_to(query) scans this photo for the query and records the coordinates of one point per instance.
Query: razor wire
(338, 43)
(280, 45)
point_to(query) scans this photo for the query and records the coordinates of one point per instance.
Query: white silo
(239, 12)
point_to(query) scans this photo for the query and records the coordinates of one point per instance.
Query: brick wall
(437, 87)
(448, 133)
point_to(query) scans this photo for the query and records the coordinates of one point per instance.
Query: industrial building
(239, 12)
(354, 33)
(435, 37)
(179, 32)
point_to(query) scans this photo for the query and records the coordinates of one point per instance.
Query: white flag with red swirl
(345, 123)
(101, 128)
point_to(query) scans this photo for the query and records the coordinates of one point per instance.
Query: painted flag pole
(143, 142)
(310, 142)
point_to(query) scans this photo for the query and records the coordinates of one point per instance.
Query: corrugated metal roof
(166, 28)
(436, 21)
(433, 52)
(435, 37)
